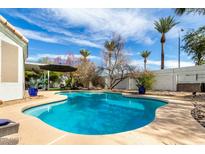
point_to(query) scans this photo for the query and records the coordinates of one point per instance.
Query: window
(9, 62)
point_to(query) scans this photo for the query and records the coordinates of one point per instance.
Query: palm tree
(194, 45)
(163, 26)
(85, 53)
(181, 11)
(110, 47)
(198, 58)
(145, 54)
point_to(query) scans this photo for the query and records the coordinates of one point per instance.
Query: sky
(59, 32)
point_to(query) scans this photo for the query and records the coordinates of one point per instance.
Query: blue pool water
(97, 113)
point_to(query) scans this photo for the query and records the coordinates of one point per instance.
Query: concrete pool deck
(173, 125)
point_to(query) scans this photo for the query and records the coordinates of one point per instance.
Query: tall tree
(194, 45)
(163, 26)
(181, 11)
(85, 53)
(118, 68)
(85, 72)
(110, 47)
(145, 54)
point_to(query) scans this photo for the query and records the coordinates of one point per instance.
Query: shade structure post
(44, 80)
(48, 79)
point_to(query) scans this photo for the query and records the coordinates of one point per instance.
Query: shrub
(71, 83)
(145, 79)
(33, 83)
(98, 81)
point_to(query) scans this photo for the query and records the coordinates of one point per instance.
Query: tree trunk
(162, 52)
(162, 56)
(109, 72)
(145, 64)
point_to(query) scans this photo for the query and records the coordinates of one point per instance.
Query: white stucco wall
(128, 83)
(123, 84)
(167, 79)
(11, 91)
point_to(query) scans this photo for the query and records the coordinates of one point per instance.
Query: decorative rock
(198, 113)
(1, 102)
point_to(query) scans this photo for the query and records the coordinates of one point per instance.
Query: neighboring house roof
(12, 29)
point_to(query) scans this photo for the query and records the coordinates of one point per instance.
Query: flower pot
(141, 90)
(33, 91)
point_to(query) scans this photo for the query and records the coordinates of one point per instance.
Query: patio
(173, 125)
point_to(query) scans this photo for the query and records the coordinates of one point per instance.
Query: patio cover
(37, 67)
(58, 68)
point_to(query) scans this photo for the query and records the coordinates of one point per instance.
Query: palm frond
(110, 45)
(85, 53)
(163, 25)
(180, 11)
(145, 53)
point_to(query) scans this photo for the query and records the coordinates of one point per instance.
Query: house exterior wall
(9, 61)
(12, 90)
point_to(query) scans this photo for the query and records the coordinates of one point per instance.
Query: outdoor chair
(8, 127)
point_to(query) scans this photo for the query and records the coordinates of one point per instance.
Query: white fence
(167, 79)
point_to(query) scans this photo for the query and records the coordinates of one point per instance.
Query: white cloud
(99, 23)
(130, 23)
(174, 63)
(168, 63)
(84, 42)
(173, 33)
(41, 36)
(62, 56)
(128, 53)
(37, 35)
(192, 21)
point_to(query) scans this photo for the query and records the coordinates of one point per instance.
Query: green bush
(33, 83)
(72, 83)
(145, 79)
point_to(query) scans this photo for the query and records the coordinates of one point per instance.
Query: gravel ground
(198, 113)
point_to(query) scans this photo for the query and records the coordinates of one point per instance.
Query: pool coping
(142, 135)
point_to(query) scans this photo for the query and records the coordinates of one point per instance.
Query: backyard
(100, 94)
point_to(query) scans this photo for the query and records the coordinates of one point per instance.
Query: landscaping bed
(198, 113)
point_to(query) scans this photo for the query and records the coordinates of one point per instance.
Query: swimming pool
(97, 113)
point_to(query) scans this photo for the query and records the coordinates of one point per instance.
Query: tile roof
(12, 29)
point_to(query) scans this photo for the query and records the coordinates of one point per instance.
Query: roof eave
(13, 30)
